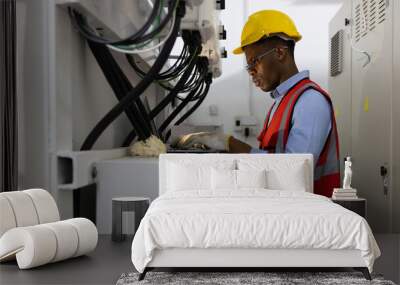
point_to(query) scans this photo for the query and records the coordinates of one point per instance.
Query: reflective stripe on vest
(326, 171)
(332, 162)
(268, 138)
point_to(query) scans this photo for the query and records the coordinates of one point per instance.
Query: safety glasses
(257, 59)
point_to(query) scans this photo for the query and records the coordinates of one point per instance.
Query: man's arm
(311, 124)
(310, 129)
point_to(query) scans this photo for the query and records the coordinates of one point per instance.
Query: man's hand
(218, 141)
(212, 140)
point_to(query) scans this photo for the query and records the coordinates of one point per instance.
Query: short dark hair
(278, 41)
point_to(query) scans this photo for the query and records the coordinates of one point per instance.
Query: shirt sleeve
(311, 124)
(257, 150)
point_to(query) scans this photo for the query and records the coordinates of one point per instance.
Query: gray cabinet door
(371, 106)
(396, 120)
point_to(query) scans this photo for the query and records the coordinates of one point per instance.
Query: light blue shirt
(311, 120)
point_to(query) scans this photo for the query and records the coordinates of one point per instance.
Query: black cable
(173, 93)
(192, 40)
(167, 135)
(197, 95)
(79, 23)
(129, 139)
(142, 115)
(161, 106)
(171, 7)
(201, 64)
(139, 110)
(192, 81)
(156, 110)
(180, 107)
(197, 78)
(116, 78)
(177, 68)
(198, 103)
(171, 72)
(178, 65)
(193, 108)
(196, 50)
(145, 115)
(139, 89)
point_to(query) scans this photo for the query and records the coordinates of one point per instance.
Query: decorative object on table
(348, 173)
(347, 192)
(358, 205)
(344, 194)
(31, 231)
(247, 278)
(139, 205)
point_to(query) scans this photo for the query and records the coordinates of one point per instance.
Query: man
(301, 119)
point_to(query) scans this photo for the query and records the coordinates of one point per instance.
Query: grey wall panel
(371, 118)
(32, 92)
(366, 103)
(340, 85)
(396, 120)
(21, 31)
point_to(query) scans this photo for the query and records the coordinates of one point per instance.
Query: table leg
(117, 222)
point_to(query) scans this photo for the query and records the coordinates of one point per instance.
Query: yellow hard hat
(267, 23)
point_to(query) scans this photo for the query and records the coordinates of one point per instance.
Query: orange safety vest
(274, 136)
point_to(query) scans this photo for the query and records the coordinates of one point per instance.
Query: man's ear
(281, 53)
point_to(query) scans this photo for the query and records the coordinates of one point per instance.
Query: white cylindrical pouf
(34, 246)
(87, 234)
(7, 218)
(23, 207)
(67, 240)
(45, 205)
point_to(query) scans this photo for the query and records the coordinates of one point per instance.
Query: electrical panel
(361, 87)
(204, 18)
(121, 18)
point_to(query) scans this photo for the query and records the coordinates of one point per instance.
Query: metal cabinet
(363, 93)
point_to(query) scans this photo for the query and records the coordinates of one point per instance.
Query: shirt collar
(285, 86)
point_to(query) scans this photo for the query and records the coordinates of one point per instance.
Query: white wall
(233, 92)
(230, 92)
(31, 87)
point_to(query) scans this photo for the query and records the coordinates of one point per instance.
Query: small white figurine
(347, 173)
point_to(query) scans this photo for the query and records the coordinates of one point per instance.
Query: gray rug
(243, 278)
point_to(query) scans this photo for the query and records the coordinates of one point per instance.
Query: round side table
(139, 205)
